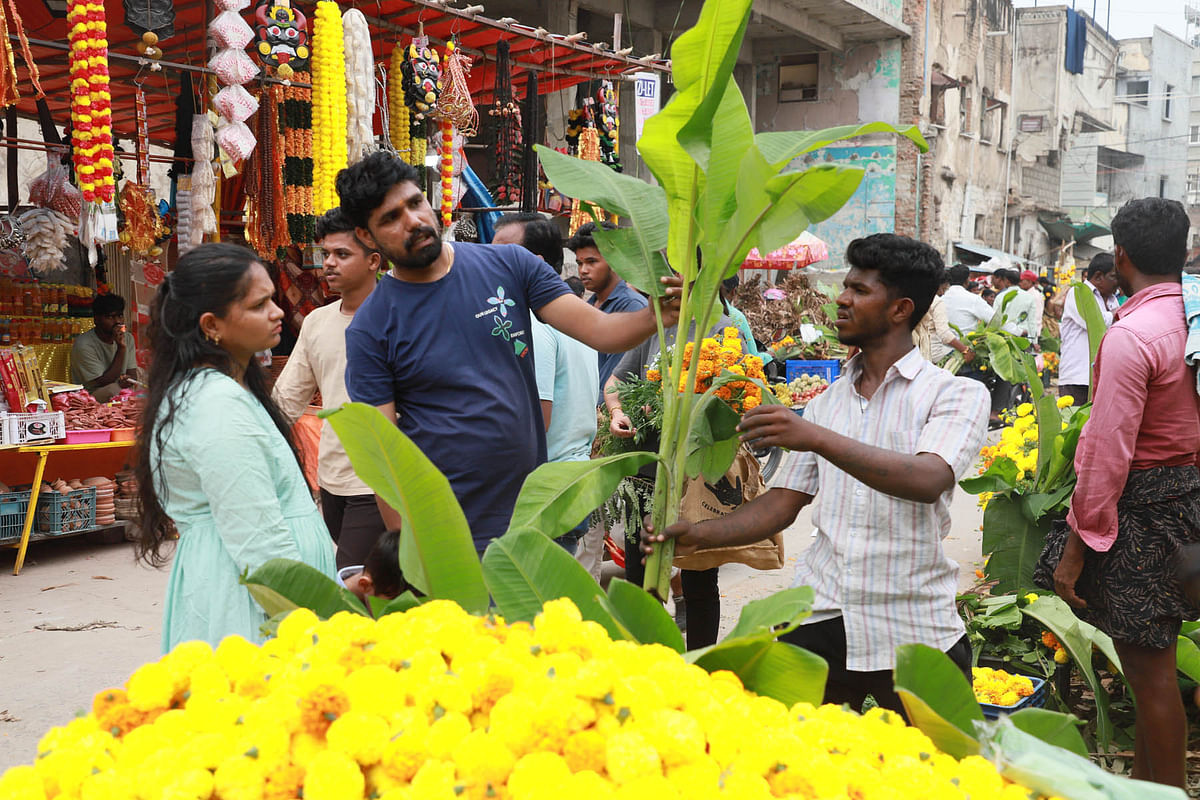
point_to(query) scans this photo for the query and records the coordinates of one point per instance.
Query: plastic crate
(1035, 700)
(13, 507)
(66, 512)
(828, 369)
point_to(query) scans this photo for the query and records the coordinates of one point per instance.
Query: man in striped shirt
(880, 451)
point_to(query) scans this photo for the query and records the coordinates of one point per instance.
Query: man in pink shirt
(1137, 501)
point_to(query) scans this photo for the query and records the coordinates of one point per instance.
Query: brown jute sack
(702, 501)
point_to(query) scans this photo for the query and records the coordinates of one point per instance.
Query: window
(1195, 135)
(1167, 92)
(1193, 188)
(1137, 92)
(964, 110)
(985, 117)
(799, 78)
(1162, 185)
(980, 222)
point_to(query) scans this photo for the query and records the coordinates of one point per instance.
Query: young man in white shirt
(318, 363)
(1029, 285)
(1018, 311)
(964, 309)
(881, 451)
(1075, 365)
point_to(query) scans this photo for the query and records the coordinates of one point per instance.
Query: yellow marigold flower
(239, 778)
(446, 734)
(333, 776)
(536, 773)
(1031, 597)
(22, 782)
(283, 782)
(585, 750)
(751, 402)
(361, 736)
(321, 706)
(1061, 656)
(1025, 409)
(653, 375)
(484, 761)
(151, 687)
(192, 784)
(629, 755)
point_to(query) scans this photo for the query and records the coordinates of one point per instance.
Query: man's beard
(419, 258)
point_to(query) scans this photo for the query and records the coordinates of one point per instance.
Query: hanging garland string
(296, 123)
(589, 150)
(8, 72)
(264, 175)
(508, 130)
(91, 102)
(446, 171)
(455, 102)
(328, 104)
(398, 120)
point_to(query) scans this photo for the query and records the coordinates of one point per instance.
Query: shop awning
(975, 254)
(1065, 230)
(560, 60)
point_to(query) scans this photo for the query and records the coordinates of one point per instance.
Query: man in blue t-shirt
(609, 292)
(443, 345)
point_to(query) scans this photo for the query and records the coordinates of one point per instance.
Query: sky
(1132, 18)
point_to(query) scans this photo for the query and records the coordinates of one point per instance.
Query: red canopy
(560, 62)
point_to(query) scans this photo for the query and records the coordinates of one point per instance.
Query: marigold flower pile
(1018, 442)
(716, 356)
(435, 703)
(1000, 688)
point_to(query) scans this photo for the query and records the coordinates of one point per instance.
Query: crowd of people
(489, 361)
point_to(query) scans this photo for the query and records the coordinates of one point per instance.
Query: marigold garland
(295, 125)
(91, 101)
(446, 170)
(398, 117)
(328, 105)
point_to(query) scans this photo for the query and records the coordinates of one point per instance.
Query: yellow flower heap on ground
(716, 356)
(435, 704)
(1000, 688)
(1018, 442)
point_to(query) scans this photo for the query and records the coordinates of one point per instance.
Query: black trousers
(700, 590)
(828, 640)
(354, 523)
(1077, 392)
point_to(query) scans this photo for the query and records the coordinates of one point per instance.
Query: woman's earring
(214, 339)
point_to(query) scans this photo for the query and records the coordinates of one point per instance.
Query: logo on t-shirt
(503, 327)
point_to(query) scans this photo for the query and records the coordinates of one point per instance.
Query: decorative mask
(282, 37)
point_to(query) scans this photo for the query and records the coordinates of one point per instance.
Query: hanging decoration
(143, 225)
(91, 102)
(508, 130)
(328, 105)
(9, 93)
(421, 79)
(608, 125)
(204, 184)
(282, 33)
(446, 169)
(46, 232)
(360, 85)
(233, 68)
(589, 150)
(296, 132)
(399, 124)
(264, 176)
(455, 101)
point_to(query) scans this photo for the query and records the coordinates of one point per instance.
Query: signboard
(647, 98)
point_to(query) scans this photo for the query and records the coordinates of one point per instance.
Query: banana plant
(721, 189)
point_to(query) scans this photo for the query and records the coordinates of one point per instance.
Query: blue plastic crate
(828, 369)
(13, 507)
(66, 512)
(1035, 700)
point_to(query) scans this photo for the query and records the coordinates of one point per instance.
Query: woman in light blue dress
(216, 456)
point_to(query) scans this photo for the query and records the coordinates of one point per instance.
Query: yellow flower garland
(329, 105)
(398, 118)
(91, 101)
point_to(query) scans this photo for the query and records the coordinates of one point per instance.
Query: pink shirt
(1146, 412)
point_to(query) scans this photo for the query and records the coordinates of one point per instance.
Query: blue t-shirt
(621, 298)
(456, 357)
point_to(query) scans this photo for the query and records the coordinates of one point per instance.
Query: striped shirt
(877, 560)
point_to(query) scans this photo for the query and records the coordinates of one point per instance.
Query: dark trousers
(354, 523)
(700, 590)
(1077, 392)
(828, 640)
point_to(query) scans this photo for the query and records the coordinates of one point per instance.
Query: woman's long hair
(209, 278)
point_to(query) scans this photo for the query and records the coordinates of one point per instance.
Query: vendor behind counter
(103, 360)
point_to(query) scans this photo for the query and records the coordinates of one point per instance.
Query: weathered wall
(872, 209)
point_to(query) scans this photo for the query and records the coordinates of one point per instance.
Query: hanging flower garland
(329, 104)
(455, 101)
(508, 130)
(91, 102)
(360, 85)
(446, 169)
(399, 123)
(296, 130)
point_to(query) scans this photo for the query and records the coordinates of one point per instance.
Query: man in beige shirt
(318, 363)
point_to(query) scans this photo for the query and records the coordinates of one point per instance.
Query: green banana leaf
(937, 698)
(780, 147)
(768, 667)
(437, 555)
(787, 608)
(1078, 637)
(999, 477)
(1187, 658)
(643, 616)
(712, 442)
(1093, 318)
(557, 496)
(1014, 542)
(525, 569)
(282, 585)
(1060, 730)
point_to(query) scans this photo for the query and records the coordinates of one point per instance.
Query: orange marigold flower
(320, 707)
(750, 401)
(729, 358)
(725, 393)
(1050, 640)
(653, 375)
(107, 699)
